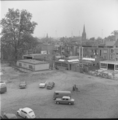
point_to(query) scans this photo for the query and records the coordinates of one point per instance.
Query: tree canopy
(17, 30)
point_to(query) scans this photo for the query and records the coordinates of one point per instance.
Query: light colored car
(65, 100)
(26, 113)
(42, 85)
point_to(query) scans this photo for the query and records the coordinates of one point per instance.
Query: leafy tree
(92, 39)
(17, 28)
(115, 32)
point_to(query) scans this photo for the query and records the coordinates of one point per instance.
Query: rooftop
(33, 55)
(109, 62)
(31, 61)
(77, 60)
(27, 109)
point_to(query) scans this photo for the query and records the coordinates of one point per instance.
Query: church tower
(84, 34)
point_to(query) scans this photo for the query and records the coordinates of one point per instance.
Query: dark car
(22, 85)
(65, 100)
(8, 116)
(3, 87)
(50, 85)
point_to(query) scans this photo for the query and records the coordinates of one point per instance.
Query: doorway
(110, 66)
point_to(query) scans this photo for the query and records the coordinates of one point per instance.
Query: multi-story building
(110, 50)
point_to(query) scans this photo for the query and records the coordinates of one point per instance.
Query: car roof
(27, 109)
(66, 97)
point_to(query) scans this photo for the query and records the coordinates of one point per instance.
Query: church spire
(84, 33)
(84, 29)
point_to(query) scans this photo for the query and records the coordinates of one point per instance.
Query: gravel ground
(97, 98)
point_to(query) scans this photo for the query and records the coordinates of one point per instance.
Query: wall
(115, 55)
(42, 67)
(26, 66)
(105, 53)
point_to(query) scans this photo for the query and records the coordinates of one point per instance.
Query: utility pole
(81, 53)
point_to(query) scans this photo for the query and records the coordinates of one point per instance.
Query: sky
(60, 18)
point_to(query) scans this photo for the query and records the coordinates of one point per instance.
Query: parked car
(50, 85)
(3, 87)
(22, 85)
(42, 85)
(65, 100)
(26, 113)
(8, 116)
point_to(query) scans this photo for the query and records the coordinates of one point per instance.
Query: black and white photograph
(58, 59)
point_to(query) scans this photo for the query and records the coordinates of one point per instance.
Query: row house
(110, 50)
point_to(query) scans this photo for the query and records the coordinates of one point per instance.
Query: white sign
(43, 52)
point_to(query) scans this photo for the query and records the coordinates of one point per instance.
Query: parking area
(97, 97)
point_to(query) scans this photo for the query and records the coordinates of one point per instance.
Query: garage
(32, 65)
(110, 66)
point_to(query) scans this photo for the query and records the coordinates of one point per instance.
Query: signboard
(43, 52)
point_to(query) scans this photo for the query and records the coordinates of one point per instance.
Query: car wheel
(57, 102)
(69, 103)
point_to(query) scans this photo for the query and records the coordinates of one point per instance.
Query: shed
(109, 65)
(32, 65)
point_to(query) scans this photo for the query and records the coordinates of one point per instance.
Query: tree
(115, 32)
(92, 39)
(16, 27)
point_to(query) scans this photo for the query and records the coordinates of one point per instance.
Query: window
(30, 66)
(116, 67)
(30, 111)
(103, 65)
(27, 57)
(20, 64)
(23, 111)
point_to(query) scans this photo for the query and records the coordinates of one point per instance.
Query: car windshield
(30, 111)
